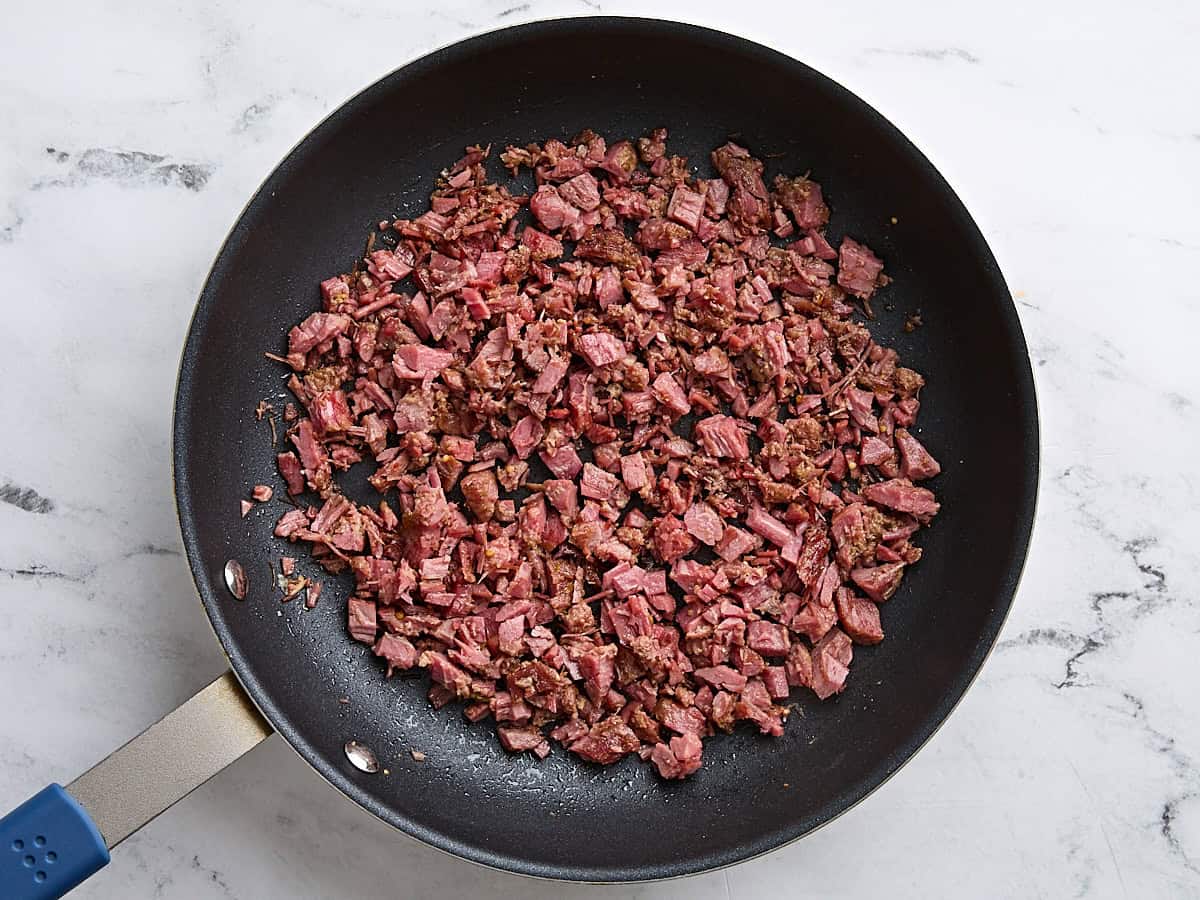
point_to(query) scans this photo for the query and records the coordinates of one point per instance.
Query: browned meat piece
(609, 246)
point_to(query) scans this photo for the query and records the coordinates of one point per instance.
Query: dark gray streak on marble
(35, 571)
(1078, 482)
(1154, 592)
(524, 7)
(9, 231)
(1093, 641)
(214, 876)
(1151, 596)
(25, 498)
(1043, 637)
(937, 54)
(129, 167)
(1167, 826)
(1184, 768)
(1178, 402)
(150, 550)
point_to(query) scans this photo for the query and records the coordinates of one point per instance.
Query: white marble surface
(1071, 131)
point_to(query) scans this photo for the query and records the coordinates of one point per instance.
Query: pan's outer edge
(1024, 387)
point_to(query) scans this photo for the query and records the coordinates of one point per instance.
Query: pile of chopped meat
(641, 473)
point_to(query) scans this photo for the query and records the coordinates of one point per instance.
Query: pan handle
(59, 837)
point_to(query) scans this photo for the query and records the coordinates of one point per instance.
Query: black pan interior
(562, 818)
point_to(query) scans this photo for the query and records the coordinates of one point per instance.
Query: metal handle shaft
(170, 759)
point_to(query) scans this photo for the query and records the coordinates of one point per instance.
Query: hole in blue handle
(39, 841)
(51, 857)
(29, 861)
(18, 845)
(39, 877)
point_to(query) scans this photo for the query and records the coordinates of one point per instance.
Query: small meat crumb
(418, 755)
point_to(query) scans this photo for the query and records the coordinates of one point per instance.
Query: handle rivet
(361, 757)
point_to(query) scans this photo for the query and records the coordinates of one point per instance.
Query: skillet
(562, 818)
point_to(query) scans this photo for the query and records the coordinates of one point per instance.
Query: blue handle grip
(48, 845)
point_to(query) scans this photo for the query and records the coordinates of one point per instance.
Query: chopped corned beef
(642, 475)
(601, 348)
(916, 463)
(722, 437)
(858, 268)
(704, 523)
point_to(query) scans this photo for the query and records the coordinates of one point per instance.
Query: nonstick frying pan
(562, 818)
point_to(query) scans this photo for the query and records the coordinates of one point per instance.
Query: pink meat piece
(668, 392)
(564, 462)
(582, 191)
(397, 650)
(858, 268)
(329, 412)
(716, 196)
(551, 375)
(736, 543)
(804, 200)
(763, 523)
(878, 582)
(831, 663)
(635, 472)
(551, 210)
(316, 330)
(775, 678)
(596, 483)
(704, 523)
(901, 495)
(680, 758)
(608, 288)
(859, 617)
(686, 207)
(798, 666)
(768, 638)
(519, 738)
(620, 160)
(293, 475)
(859, 403)
(509, 635)
(540, 244)
(671, 539)
(916, 463)
(291, 522)
(526, 435)
(721, 678)
(387, 265)
(361, 615)
(563, 495)
(598, 671)
(874, 451)
(601, 348)
(608, 741)
(334, 291)
(722, 437)
(418, 362)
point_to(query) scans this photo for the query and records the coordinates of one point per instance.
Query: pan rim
(770, 840)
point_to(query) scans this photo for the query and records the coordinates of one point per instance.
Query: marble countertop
(130, 136)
